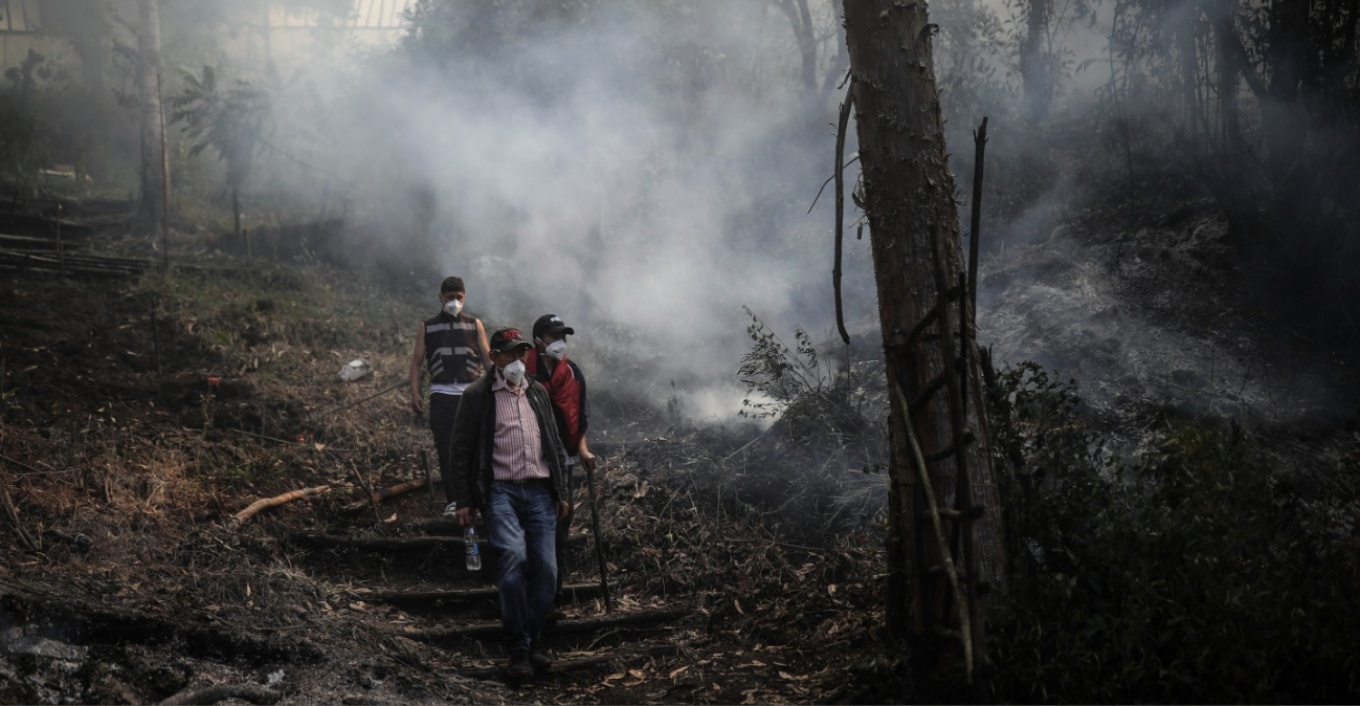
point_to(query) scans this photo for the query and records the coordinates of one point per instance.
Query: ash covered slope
(1160, 317)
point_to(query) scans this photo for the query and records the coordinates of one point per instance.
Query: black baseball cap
(508, 339)
(551, 323)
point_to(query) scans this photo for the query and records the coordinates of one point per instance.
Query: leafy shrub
(796, 387)
(816, 468)
(1194, 576)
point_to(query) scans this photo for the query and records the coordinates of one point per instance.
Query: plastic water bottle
(473, 552)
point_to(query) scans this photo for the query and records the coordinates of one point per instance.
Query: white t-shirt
(456, 388)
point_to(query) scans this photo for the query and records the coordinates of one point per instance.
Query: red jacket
(567, 388)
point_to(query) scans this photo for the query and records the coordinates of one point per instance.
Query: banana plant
(230, 119)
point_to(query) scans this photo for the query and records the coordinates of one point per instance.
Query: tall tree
(1036, 68)
(945, 534)
(151, 113)
(812, 31)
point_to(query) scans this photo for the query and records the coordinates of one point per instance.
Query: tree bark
(153, 157)
(909, 202)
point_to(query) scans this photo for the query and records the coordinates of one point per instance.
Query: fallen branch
(212, 694)
(446, 597)
(374, 543)
(13, 513)
(385, 493)
(239, 518)
(25, 466)
(493, 630)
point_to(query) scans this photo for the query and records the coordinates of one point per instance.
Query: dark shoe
(539, 660)
(519, 668)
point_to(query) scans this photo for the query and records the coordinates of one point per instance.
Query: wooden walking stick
(599, 549)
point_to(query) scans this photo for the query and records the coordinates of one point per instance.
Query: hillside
(141, 414)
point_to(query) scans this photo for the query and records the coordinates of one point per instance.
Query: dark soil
(140, 414)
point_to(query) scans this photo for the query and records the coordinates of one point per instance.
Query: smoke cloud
(645, 180)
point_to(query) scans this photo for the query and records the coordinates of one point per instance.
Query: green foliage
(231, 119)
(777, 373)
(826, 481)
(799, 389)
(1193, 576)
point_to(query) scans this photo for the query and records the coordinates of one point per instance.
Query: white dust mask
(453, 306)
(514, 373)
(556, 350)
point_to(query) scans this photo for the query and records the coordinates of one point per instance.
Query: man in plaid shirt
(506, 460)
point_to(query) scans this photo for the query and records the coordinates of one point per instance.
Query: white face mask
(453, 306)
(556, 350)
(514, 373)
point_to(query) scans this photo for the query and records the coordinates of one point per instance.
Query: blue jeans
(521, 524)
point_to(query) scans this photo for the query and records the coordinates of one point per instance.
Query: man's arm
(484, 344)
(417, 368)
(583, 451)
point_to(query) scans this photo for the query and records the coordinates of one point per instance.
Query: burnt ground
(140, 414)
(1161, 311)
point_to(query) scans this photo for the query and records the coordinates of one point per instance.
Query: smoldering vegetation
(1168, 234)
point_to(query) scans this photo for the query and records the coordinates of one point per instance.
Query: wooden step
(491, 630)
(384, 544)
(574, 590)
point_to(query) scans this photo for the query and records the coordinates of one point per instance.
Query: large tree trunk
(909, 201)
(153, 157)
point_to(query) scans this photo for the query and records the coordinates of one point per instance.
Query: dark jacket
(470, 473)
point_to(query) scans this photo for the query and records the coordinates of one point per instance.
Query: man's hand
(463, 516)
(562, 509)
(587, 459)
(417, 404)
